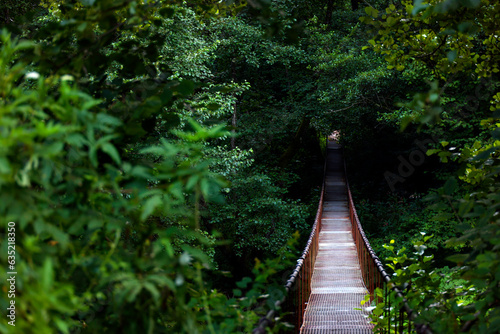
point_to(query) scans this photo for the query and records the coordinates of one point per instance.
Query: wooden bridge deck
(337, 285)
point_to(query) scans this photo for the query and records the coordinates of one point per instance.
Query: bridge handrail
(380, 278)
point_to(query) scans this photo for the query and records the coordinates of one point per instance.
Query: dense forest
(161, 161)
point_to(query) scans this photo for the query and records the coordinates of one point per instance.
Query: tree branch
(346, 108)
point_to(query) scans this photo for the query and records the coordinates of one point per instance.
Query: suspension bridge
(337, 269)
(337, 286)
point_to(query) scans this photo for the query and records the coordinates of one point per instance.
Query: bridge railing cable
(375, 276)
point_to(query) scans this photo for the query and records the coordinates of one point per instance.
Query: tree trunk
(233, 124)
(329, 10)
(234, 118)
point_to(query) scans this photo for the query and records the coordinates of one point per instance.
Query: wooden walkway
(337, 285)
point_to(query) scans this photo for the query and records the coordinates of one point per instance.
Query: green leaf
(452, 55)
(111, 151)
(4, 166)
(93, 156)
(428, 258)
(193, 180)
(163, 281)
(52, 149)
(57, 234)
(62, 325)
(133, 291)
(158, 150)
(243, 283)
(432, 151)
(196, 253)
(24, 45)
(418, 6)
(466, 27)
(205, 187)
(450, 186)
(87, 2)
(150, 205)
(378, 311)
(76, 139)
(47, 278)
(153, 291)
(458, 258)
(485, 154)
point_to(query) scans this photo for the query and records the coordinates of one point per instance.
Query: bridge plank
(337, 286)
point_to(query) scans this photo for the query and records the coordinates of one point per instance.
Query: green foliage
(446, 43)
(123, 122)
(13, 10)
(441, 298)
(401, 219)
(255, 216)
(415, 278)
(106, 170)
(73, 208)
(116, 153)
(230, 162)
(447, 38)
(479, 223)
(445, 46)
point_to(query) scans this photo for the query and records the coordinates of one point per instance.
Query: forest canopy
(161, 161)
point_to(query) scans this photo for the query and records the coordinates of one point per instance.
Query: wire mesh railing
(399, 319)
